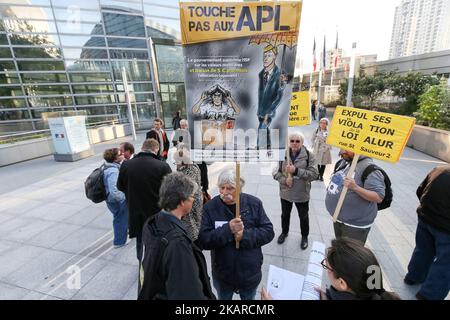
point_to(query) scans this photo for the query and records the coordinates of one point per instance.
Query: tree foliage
(434, 107)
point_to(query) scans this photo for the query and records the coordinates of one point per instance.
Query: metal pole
(351, 76)
(318, 88)
(127, 97)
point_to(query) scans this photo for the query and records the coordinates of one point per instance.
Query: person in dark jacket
(176, 121)
(430, 261)
(173, 267)
(159, 135)
(353, 272)
(140, 179)
(235, 270)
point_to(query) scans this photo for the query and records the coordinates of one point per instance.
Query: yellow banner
(374, 134)
(210, 21)
(300, 113)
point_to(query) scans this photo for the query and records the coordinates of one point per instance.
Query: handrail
(36, 132)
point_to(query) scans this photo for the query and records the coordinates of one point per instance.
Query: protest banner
(300, 114)
(239, 66)
(374, 134)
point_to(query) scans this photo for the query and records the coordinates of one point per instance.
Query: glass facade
(68, 55)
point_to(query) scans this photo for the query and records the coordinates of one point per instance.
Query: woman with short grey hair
(294, 175)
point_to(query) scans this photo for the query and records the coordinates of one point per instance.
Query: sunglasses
(324, 265)
(297, 141)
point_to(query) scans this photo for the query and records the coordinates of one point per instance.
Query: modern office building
(65, 55)
(420, 26)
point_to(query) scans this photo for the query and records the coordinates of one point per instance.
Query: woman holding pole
(294, 176)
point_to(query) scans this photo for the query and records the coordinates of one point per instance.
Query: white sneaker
(122, 245)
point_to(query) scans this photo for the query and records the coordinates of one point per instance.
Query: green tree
(366, 89)
(434, 107)
(410, 87)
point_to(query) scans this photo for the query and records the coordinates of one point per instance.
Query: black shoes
(304, 243)
(282, 237)
(409, 282)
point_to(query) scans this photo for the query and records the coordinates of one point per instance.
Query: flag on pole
(335, 52)
(314, 55)
(324, 55)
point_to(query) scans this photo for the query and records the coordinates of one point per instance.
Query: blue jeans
(430, 262)
(120, 221)
(226, 293)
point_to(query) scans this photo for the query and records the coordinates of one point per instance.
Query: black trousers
(302, 209)
(321, 169)
(342, 230)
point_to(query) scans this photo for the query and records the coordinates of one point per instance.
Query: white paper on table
(313, 278)
(283, 284)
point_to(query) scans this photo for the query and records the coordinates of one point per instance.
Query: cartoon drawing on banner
(218, 111)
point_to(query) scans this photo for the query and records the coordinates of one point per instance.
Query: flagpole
(332, 74)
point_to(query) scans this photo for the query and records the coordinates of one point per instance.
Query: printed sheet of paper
(283, 284)
(313, 276)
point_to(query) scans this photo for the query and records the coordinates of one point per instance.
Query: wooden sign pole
(287, 155)
(238, 194)
(344, 190)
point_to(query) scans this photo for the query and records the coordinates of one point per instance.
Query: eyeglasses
(297, 141)
(323, 263)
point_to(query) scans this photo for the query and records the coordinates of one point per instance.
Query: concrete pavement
(49, 229)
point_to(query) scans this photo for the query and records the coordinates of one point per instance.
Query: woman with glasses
(354, 273)
(321, 148)
(294, 176)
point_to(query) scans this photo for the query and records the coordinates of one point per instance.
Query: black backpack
(388, 194)
(95, 187)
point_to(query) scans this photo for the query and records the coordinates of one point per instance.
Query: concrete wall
(31, 149)
(25, 150)
(433, 142)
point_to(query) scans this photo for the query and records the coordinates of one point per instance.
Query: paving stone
(53, 235)
(111, 283)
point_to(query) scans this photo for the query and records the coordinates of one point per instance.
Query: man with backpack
(365, 191)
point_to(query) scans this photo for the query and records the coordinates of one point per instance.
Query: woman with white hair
(235, 270)
(294, 176)
(182, 157)
(321, 148)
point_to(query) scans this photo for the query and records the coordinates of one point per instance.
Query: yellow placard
(210, 21)
(300, 113)
(374, 134)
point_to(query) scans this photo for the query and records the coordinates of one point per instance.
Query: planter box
(434, 142)
(36, 148)
(25, 150)
(106, 133)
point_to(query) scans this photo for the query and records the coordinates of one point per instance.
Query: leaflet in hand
(286, 285)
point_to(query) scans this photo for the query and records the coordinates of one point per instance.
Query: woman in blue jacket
(115, 200)
(235, 270)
